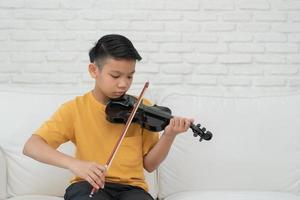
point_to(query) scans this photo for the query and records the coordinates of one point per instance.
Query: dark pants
(112, 191)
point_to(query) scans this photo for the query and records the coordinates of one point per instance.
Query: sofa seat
(35, 197)
(232, 195)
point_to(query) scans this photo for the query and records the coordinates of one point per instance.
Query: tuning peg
(195, 134)
(203, 129)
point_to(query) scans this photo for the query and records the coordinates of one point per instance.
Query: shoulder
(75, 102)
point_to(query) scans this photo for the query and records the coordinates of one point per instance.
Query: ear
(93, 69)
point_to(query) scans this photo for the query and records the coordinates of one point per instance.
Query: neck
(99, 96)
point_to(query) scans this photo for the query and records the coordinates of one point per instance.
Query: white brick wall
(231, 46)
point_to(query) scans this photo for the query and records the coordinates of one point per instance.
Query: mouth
(119, 93)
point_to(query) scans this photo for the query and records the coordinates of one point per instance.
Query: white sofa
(254, 153)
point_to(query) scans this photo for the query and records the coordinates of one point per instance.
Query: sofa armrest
(3, 177)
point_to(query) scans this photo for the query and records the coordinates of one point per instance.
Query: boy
(82, 121)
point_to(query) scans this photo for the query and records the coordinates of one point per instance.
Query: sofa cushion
(232, 195)
(36, 197)
(22, 112)
(2, 175)
(255, 145)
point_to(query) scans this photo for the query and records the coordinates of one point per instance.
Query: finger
(92, 182)
(102, 168)
(97, 179)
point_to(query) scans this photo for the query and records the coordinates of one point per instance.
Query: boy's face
(113, 79)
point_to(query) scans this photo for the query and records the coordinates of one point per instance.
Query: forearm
(39, 150)
(159, 152)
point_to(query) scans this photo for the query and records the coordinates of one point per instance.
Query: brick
(4, 78)
(199, 16)
(5, 14)
(199, 37)
(81, 25)
(142, 78)
(270, 16)
(30, 78)
(294, 37)
(180, 5)
(10, 67)
(282, 70)
(27, 35)
(39, 68)
(63, 56)
(74, 46)
(248, 70)
(27, 57)
(50, 4)
(212, 70)
(212, 48)
(147, 68)
(269, 58)
(253, 5)
(146, 26)
(294, 59)
(167, 79)
(103, 15)
(219, 27)
(146, 47)
(176, 47)
(165, 58)
(12, 4)
(63, 78)
(294, 16)
(269, 82)
(236, 37)
(166, 37)
(286, 27)
(182, 26)
(286, 5)
(163, 15)
(237, 16)
(199, 58)
(235, 58)
(270, 37)
(130, 15)
(113, 25)
(3, 36)
(254, 27)
(202, 80)
(294, 82)
(177, 69)
(147, 5)
(236, 81)
(45, 25)
(61, 15)
(246, 48)
(34, 46)
(60, 35)
(12, 24)
(281, 48)
(72, 67)
(77, 4)
(218, 5)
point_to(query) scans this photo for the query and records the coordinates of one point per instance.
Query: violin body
(154, 118)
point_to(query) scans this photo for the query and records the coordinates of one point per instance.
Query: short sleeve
(149, 140)
(59, 128)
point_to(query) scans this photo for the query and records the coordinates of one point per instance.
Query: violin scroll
(201, 132)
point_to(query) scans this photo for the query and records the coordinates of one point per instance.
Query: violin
(128, 109)
(154, 118)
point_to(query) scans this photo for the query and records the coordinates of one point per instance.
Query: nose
(123, 84)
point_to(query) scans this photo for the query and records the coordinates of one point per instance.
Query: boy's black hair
(114, 46)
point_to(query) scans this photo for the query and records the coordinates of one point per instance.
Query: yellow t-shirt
(83, 122)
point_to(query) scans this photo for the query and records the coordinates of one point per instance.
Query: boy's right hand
(92, 172)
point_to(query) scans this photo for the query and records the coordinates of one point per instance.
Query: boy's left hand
(177, 125)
